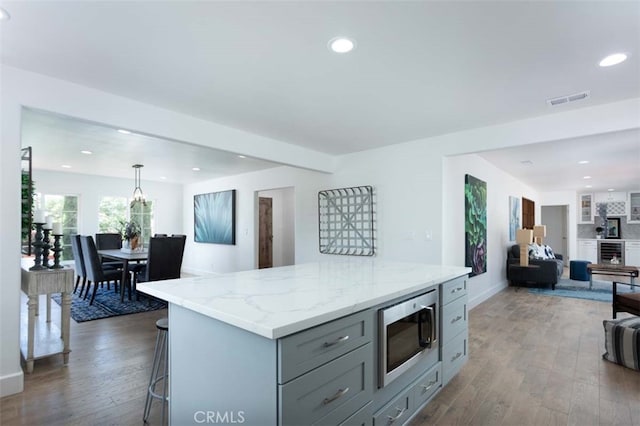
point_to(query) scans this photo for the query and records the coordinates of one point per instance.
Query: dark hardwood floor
(534, 360)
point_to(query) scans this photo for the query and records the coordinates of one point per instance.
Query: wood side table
(48, 340)
(612, 269)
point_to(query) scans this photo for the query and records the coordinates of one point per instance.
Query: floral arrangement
(129, 229)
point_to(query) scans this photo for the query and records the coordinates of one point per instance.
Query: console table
(611, 269)
(48, 340)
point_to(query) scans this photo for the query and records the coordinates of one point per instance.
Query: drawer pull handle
(339, 394)
(455, 290)
(458, 355)
(428, 385)
(335, 342)
(392, 420)
(458, 318)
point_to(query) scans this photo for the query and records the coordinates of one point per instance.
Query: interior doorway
(275, 227)
(528, 213)
(556, 219)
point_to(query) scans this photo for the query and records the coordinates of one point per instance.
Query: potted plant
(599, 230)
(130, 231)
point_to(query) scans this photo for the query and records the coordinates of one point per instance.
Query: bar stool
(160, 356)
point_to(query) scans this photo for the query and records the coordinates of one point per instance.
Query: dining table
(125, 257)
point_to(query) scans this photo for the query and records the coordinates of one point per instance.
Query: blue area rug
(107, 304)
(602, 290)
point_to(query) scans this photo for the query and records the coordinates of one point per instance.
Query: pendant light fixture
(138, 196)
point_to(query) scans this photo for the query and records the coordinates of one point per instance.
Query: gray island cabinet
(301, 345)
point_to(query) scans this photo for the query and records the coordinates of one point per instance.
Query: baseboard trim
(487, 294)
(11, 384)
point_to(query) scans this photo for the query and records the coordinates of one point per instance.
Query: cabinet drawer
(427, 386)
(451, 290)
(635, 245)
(361, 418)
(396, 412)
(454, 319)
(311, 348)
(331, 393)
(454, 355)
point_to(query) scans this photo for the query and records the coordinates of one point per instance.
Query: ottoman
(578, 270)
(622, 341)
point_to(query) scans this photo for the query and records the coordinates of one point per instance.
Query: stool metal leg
(161, 350)
(165, 383)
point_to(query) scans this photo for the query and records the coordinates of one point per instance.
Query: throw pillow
(536, 252)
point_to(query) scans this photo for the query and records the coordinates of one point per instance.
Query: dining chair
(81, 272)
(164, 260)
(96, 274)
(109, 241)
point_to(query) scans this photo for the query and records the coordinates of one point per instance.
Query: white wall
(500, 186)
(408, 179)
(202, 258)
(283, 226)
(167, 197)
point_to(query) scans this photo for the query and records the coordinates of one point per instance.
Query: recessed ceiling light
(196, 169)
(587, 177)
(124, 132)
(614, 59)
(66, 166)
(610, 189)
(583, 162)
(588, 186)
(341, 44)
(242, 156)
(86, 152)
(4, 15)
(163, 177)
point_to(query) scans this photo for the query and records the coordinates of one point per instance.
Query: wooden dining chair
(626, 302)
(96, 274)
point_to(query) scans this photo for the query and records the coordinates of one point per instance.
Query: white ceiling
(58, 141)
(420, 68)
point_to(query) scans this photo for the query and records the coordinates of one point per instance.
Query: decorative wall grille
(346, 221)
(614, 208)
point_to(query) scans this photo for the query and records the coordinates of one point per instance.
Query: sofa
(543, 273)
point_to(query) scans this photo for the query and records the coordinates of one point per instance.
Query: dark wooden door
(528, 213)
(265, 233)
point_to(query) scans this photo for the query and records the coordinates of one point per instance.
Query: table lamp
(524, 238)
(539, 232)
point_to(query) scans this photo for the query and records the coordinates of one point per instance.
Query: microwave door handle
(422, 342)
(434, 326)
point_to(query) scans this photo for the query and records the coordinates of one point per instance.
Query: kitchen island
(244, 348)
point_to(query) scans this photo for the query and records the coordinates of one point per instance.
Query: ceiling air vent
(569, 98)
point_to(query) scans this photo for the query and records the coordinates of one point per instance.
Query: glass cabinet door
(586, 208)
(633, 207)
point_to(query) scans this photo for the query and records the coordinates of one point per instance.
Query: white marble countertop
(277, 302)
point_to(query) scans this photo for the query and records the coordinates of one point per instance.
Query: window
(143, 216)
(63, 209)
(112, 211)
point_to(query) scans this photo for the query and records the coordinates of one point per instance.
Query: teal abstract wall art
(215, 217)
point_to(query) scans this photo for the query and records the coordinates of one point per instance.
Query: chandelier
(138, 196)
